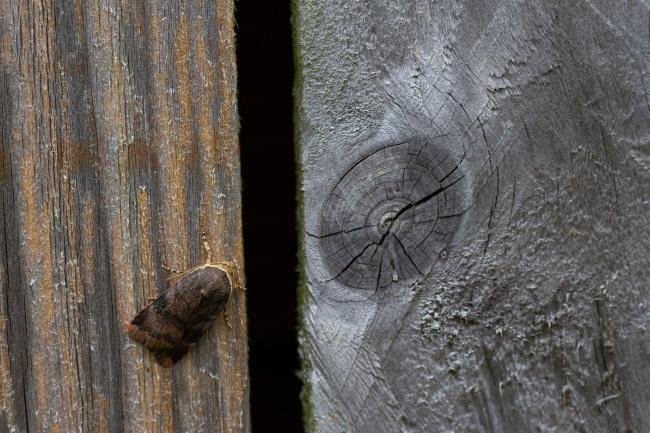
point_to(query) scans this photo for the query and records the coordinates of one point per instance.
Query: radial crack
(336, 233)
(379, 192)
(354, 259)
(407, 254)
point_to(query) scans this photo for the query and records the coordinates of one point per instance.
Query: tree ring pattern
(391, 215)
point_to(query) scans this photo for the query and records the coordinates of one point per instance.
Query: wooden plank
(475, 180)
(119, 128)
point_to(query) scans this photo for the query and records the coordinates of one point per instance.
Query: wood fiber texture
(118, 133)
(475, 192)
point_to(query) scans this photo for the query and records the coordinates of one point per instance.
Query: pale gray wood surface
(118, 141)
(475, 180)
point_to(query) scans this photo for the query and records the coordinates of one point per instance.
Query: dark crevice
(375, 252)
(354, 259)
(265, 78)
(424, 199)
(478, 119)
(336, 233)
(381, 265)
(408, 256)
(433, 229)
(492, 209)
(452, 215)
(16, 307)
(459, 104)
(450, 173)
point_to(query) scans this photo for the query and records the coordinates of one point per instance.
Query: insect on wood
(179, 317)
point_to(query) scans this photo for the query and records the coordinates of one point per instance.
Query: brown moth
(177, 319)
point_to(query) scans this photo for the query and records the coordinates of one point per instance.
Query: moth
(179, 317)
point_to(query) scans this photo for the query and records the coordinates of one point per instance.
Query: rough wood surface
(118, 127)
(475, 178)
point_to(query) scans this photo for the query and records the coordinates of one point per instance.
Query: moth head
(215, 283)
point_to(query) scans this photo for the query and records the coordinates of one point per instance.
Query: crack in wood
(403, 199)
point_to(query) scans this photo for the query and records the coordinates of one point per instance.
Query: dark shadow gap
(265, 74)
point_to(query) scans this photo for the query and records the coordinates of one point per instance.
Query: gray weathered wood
(118, 132)
(530, 120)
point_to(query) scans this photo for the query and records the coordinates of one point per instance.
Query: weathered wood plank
(119, 130)
(475, 178)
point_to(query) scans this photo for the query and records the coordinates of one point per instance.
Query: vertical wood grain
(118, 129)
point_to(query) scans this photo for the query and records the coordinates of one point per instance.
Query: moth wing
(179, 317)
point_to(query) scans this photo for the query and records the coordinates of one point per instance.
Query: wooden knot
(392, 215)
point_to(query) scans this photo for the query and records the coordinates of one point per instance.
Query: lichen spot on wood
(392, 215)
